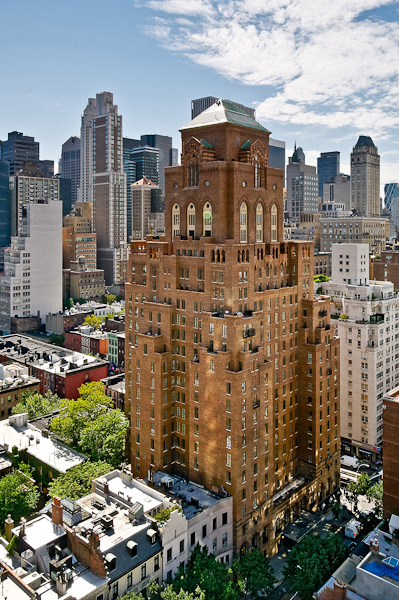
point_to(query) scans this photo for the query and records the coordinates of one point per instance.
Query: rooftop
(53, 359)
(224, 111)
(16, 431)
(364, 140)
(14, 376)
(392, 395)
(40, 532)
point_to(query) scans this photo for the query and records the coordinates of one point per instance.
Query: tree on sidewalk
(254, 573)
(165, 593)
(311, 563)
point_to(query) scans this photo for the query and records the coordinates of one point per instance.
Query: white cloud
(328, 63)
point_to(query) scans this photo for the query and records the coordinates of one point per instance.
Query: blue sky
(318, 72)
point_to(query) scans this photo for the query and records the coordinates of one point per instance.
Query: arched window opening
(243, 223)
(259, 223)
(191, 220)
(176, 219)
(207, 220)
(273, 221)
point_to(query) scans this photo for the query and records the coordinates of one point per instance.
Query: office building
(328, 166)
(277, 154)
(19, 149)
(46, 168)
(129, 167)
(225, 341)
(338, 189)
(367, 323)
(29, 189)
(146, 160)
(81, 281)
(200, 104)
(32, 280)
(80, 219)
(102, 180)
(4, 209)
(302, 188)
(354, 230)
(65, 195)
(365, 178)
(75, 245)
(390, 425)
(148, 209)
(166, 154)
(391, 190)
(69, 165)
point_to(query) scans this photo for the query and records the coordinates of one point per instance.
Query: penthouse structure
(232, 367)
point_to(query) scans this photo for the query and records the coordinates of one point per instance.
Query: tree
(204, 572)
(254, 573)
(78, 414)
(376, 492)
(57, 340)
(37, 405)
(165, 593)
(110, 298)
(321, 278)
(77, 481)
(93, 321)
(19, 494)
(104, 438)
(311, 562)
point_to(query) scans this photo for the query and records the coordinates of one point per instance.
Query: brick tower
(232, 370)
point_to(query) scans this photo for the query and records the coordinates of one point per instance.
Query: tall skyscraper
(391, 190)
(69, 165)
(365, 178)
(147, 163)
(19, 149)
(29, 189)
(302, 188)
(4, 208)
(148, 209)
(102, 180)
(164, 145)
(277, 154)
(32, 278)
(200, 104)
(328, 166)
(129, 167)
(233, 368)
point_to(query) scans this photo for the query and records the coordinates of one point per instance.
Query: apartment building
(354, 230)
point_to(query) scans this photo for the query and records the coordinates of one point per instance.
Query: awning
(365, 451)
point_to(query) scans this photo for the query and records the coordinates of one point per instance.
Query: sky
(318, 72)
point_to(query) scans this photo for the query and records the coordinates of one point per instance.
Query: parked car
(349, 461)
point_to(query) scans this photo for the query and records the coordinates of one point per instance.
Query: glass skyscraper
(129, 167)
(166, 154)
(147, 163)
(69, 166)
(327, 166)
(4, 209)
(277, 154)
(19, 149)
(391, 190)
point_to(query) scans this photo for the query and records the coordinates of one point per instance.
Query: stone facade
(232, 370)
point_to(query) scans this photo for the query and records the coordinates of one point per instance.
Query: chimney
(106, 488)
(375, 545)
(56, 511)
(339, 590)
(9, 524)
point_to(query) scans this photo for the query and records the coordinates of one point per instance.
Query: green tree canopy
(165, 593)
(104, 438)
(205, 573)
(110, 298)
(77, 481)
(254, 573)
(311, 562)
(321, 278)
(58, 340)
(37, 405)
(78, 414)
(93, 321)
(19, 495)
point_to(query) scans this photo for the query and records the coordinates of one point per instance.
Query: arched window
(243, 223)
(207, 219)
(258, 172)
(191, 220)
(273, 224)
(259, 223)
(176, 219)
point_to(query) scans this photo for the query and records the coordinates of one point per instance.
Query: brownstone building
(232, 370)
(390, 441)
(386, 268)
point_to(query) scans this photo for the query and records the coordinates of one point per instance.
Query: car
(352, 546)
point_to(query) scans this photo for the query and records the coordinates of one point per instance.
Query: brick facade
(232, 370)
(390, 442)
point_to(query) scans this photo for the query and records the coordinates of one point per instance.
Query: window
(207, 220)
(130, 579)
(176, 219)
(169, 555)
(273, 226)
(181, 546)
(243, 223)
(224, 518)
(193, 539)
(143, 572)
(114, 590)
(259, 223)
(224, 539)
(191, 220)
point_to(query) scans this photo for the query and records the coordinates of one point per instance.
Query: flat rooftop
(40, 532)
(46, 449)
(49, 358)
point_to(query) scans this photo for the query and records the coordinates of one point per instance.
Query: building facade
(148, 209)
(365, 178)
(166, 154)
(302, 188)
(386, 268)
(75, 245)
(24, 190)
(32, 280)
(367, 321)
(353, 230)
(391, 452)
(5, 213)
(19, 149)
(80, 281)
(232, 368)
(328, 166)
(102, 180)
(391, 190)
(277, 154)
(69, 165)
(146, 160)
(338, 189)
